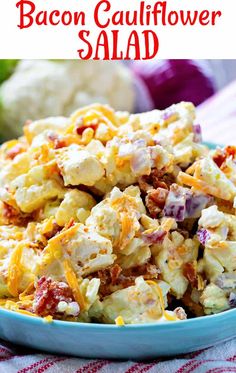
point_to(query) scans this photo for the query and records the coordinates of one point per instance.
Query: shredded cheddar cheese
(14, 270)
(162, 303)
(201, 185)
(73, 284)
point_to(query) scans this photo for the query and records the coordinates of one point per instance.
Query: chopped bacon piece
(80, 129)
(114, 276)
(157, 179)
(48, 294)
(14, 216)
(230, 151)
(155, 201)
(190, 273)
(56, 228)
(115, 272)
(219, 157)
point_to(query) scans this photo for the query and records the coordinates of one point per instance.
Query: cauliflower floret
(219, 257)
(40, 88)
(140, 256)
(87, 250)
(15, 253)
(105, 220)
(33, 189)
(73, 201)
(213, 176)
(20, 165)
(220, 244)
(214, 299)
(117, 217)
(171, 256)
(211, 217)
(42, 126)
(136, 304)
(79, 166)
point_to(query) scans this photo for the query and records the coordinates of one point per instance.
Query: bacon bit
(14, 151)
(219, 157)
(56, 228)
(115, 276)
(14, 216)
(80, 129)
(230, 151)
(190, 273)
(48, 294)
(155, 201)
(157, 179)
(196, 308)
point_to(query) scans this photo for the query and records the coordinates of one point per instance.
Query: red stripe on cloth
(34, 365)
(85, 368)
(50, 364)
(93, 367)
(11, 357)
(142, 367)
(232, 358)
(99, 366)
(186, 366)
(5, 351)
(197, 364)
(134, 368)
(190, 362)
(147, 367)
(222, 370)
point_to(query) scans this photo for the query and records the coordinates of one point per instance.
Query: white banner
(117, 29)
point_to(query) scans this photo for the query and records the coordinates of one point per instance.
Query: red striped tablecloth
(218, 119)
(218, 359)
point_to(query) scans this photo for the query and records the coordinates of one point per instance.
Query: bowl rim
(36, 320)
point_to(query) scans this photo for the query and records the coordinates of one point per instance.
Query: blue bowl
(137, 342)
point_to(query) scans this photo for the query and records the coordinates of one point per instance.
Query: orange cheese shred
(15, 271)
(73, 284)
(200, 185)
(162, 302)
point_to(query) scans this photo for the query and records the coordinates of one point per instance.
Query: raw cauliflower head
(40, 88)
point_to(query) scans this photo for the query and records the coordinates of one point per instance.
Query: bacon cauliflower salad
(116, 218)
